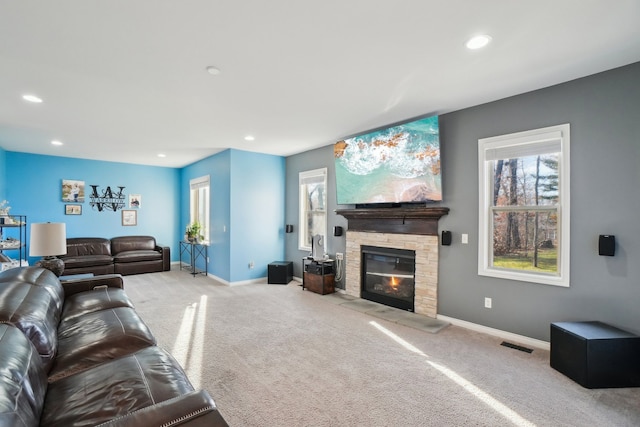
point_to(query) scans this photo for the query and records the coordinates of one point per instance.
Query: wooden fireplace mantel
(418, 220)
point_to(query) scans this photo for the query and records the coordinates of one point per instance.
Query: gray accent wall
(314, 159)
(604, 113)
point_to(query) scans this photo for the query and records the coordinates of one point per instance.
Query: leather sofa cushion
(127, 268)
(94, 338)
(23, 383)
(83, 246)
(132, 243)
(115, 389)
(90, 301)
(39, 277)
(137, 256)
(33, 310)
(87, 261)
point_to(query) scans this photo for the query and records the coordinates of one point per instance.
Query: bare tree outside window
(524, 206)
(313, 206)
(526, 239)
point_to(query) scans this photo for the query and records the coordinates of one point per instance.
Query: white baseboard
(519, 339)
(225, 282)
(239, 283)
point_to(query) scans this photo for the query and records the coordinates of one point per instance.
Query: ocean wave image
(397, 164)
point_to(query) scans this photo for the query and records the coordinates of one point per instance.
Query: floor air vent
(517, 347)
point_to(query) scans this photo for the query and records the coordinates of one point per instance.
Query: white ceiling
(124, 80)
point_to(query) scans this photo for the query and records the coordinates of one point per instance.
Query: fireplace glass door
(388, 276)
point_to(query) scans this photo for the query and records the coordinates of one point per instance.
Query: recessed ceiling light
(56, 142)
(162, 155)
(478, 42)
(32, 98)
(249, 138)
(213, 70)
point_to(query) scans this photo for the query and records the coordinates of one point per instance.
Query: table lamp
(48, 240)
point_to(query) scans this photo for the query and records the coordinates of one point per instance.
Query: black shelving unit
(13, 236)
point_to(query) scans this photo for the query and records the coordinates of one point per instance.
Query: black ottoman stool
(596, 355)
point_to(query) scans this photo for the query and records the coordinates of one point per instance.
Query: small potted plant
(193, 232)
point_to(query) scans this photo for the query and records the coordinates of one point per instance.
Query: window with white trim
(313, 207)
(199, 204)
(524, 206)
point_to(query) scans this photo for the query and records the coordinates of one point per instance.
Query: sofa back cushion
(34, 310)
(132, 243)
(39, 277)
(23, 383)
(81, 246)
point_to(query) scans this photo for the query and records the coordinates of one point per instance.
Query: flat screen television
(394, 166)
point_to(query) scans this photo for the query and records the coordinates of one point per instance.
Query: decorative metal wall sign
(108, 200)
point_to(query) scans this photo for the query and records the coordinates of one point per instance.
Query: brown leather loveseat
(77, 354)
(120, 255)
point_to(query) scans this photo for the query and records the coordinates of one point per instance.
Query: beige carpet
(274, 355)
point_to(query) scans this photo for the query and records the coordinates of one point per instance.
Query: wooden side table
(318, 276)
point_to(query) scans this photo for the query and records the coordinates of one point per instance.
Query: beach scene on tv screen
(399, 164)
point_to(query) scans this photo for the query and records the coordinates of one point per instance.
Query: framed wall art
(72, 191)
(129, 217)
(135, 201)
(73, 209)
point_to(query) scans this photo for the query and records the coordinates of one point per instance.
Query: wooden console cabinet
(321, 283)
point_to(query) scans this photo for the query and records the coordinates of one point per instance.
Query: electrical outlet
(465, 239)
(487, 303)
(251, 264)
(339, 256)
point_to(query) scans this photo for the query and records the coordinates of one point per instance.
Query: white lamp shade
(48, 239)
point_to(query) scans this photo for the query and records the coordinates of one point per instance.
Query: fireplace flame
(394, 282)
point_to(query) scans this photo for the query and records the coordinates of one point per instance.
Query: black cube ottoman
(280, 272)
(596, 355)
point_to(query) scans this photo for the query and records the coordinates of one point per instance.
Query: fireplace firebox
(388, 276)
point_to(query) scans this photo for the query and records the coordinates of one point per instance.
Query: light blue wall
(34, 184)
(218, 168)
(247, 211)
(257, 207)
(3, 173)
(246, 227)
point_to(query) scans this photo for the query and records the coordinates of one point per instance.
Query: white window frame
(521, 144)
(200, 204)
(304, 178)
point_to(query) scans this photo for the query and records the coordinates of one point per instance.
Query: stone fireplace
(413, 229)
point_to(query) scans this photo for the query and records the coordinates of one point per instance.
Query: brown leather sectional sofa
(120, 255)
(77, 354)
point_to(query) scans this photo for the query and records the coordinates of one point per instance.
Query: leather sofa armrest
(195, 409)
(166, 256)
(74, 286)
